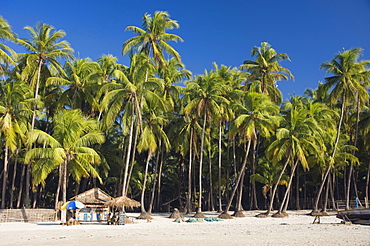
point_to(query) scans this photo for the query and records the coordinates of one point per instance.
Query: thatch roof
(123, 201)
(94, 196)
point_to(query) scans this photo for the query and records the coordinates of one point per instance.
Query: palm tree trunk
(64, 195)
(189, 205)
(14, 177)
(21, 185)
(129, 145)
(133, 154)
(199, 213)
(316, 206)
(211, 206)
(5, 176)
(142, 199)
(272, 197)
(353, 153)
(239, 176)
(159, 194)
(154, 180)
(286, 199)
(219, 166)
(367, 186)
(60, 181)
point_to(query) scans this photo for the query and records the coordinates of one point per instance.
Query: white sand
(297, 229)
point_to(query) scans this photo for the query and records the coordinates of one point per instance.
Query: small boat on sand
(356, 216)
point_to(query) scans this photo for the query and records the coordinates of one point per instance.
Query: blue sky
(310, 32)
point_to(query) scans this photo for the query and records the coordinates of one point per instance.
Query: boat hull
(357, 216)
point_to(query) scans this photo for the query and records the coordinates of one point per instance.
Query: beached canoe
(356, 216)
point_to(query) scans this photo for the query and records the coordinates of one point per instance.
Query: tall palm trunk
(274, 189)
(367, 186)
(219, 166)
(199, 213)
(189, 203)
(144, 214)
(14, 177)
(154, 180)
(159, 193)
(316, 206)
(239, 177)
(5, 176)
(286, 195)
(28, 171)
(353, 153)
(125, 176)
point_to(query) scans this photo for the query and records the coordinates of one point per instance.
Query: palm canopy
(71, 142)
(152, 37)
(45, 48)
(266, 69)
(6, 34)
(348, 76)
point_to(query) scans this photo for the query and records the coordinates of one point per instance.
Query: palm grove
(225, 140)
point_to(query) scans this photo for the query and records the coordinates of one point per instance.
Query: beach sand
(297, 229)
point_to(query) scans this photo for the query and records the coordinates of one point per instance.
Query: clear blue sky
(310, 32)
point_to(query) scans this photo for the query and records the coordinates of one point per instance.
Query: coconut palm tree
(203, 97)
(345, 83)
(127, 97)
(69, 147)
(79, 83)
(6, 34)
(257, 113)
(150, 138)
(299, 137)
(152, 37)
(266, 70)
(14, 109)
(45, 51)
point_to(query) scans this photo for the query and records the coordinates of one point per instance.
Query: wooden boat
(356, 216)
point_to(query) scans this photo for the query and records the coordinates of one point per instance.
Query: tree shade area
(223, 140)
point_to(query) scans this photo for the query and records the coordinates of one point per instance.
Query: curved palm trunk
(272, 197)
(239, 176)
(316, 206)
(285, 202)
(144, 214)
(154, 180)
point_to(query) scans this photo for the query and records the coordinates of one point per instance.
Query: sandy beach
(297, 229)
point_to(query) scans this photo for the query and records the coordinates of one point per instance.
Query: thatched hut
(95, 209)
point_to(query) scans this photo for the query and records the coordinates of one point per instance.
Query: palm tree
(69, 148)
(299, 137)
(267, 70)
(345, 84)
(203, 96)
(14, 109)
(6, 34)
(127, 98)
(257, 114)
(46, 50)
(79, 83)
(150, 137)
(152, 37)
